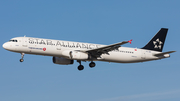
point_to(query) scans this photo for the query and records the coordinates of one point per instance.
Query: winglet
(130, 41)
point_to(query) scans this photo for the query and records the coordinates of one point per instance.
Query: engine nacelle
(76, 55)
(62, 61)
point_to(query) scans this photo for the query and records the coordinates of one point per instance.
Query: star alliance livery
(65, 52)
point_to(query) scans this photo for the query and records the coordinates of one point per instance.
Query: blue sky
(92, 21)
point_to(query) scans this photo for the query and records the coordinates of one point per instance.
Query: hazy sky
(92, 21)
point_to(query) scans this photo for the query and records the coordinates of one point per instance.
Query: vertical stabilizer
(157, 42)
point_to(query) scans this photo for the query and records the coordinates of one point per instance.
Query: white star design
(157, 45)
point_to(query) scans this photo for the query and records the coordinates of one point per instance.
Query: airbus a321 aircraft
(65, 52)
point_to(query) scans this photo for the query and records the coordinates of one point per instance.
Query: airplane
(66, 52)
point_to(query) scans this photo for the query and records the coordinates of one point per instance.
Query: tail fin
(157, 42)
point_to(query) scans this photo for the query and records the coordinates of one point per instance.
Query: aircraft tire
(92, 64)
(21, 60)
(80, 67)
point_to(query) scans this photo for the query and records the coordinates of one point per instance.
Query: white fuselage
(55, 48)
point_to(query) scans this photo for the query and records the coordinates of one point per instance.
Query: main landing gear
(81, 67)
(22, 56)
(92, 64)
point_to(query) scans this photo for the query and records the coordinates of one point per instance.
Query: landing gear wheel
(92, 64)
(80, 67)
(22, 56)
(21, 60)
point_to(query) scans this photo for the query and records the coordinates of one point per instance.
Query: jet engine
(62, 61)
(75, 55)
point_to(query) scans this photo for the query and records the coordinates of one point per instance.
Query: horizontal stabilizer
(161, 54)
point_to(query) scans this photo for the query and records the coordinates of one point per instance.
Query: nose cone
(5, 46)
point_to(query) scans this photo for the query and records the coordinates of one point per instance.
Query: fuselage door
(24, 42)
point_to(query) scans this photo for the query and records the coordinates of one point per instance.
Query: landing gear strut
(80, 67)
(92, 64)
(22, 56)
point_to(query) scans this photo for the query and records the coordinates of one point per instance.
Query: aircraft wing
(104, 50)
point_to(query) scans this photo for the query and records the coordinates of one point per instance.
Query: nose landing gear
(22, 56)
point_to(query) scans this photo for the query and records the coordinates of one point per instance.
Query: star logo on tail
(157, 44)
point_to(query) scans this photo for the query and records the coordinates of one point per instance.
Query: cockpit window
(13, 41)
